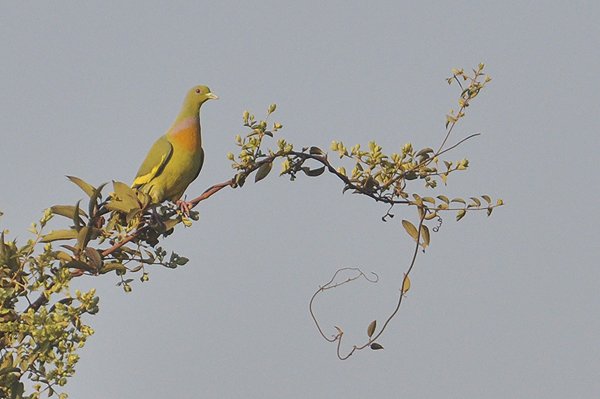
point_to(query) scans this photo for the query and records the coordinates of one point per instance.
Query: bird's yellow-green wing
(154, 163)
(201, 156)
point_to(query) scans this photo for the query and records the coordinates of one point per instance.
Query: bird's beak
(212, 96)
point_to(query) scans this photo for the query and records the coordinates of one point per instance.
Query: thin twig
(338, 337)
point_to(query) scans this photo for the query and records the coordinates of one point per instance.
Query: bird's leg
(185, 207)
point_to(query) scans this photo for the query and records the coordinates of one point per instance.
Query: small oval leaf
(316, 151)
(424, 151)
(371, 328)
(263, 171)
(375, 346)
(314, 172)
(425, 235)
(62, 255)
(94, 257)
(405, 284)
(444, 198)
(77, 264)
(431, 215)
(119, 267)
(410, 229)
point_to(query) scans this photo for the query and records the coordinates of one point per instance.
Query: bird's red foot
(185, 207)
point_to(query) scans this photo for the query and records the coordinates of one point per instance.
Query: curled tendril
(388, 213)
(440, 221)
(371, 278)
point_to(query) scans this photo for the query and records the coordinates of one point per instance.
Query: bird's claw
(185, 207)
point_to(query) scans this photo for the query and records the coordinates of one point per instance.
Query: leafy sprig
(119, 232)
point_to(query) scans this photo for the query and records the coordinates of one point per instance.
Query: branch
(339, 335)
(349, 184)
(206, 194)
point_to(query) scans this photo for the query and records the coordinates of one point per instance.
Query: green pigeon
(175, 159)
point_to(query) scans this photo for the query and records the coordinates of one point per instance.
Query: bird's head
(198, 95)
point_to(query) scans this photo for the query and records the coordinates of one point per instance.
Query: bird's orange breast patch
(187, 135)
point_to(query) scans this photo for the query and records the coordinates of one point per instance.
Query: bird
(176, 158)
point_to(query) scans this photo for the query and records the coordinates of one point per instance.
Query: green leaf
(136, 269)
(487, 198)
(405, 284)
(66, 211)
(170, 223)
(410, 229)
(429, 200)
(263, 171)
(94, 257)
(132, 214)
(476, 201)
(76, 219)
(182, 260)
(424, 152)
(17, 389)
(371, 328)
(346, 188)
(316, 151)
(240, 179)
(444, 177)
(459, 200)
(83, 237)
(410, 175)
(62, 255)
(443, 198)
(77, 264)
(460, 214)
(3, 246)
(117, 266)
(375, 346)
(124, 199)
(57, 235)
(314, 172)
(7, 360)
(122, 190)
(119, 206)
(143, 198)
(93, 204)
(425, 235)
(86, 187)
(10, 370)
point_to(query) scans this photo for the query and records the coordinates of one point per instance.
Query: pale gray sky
(499, 307)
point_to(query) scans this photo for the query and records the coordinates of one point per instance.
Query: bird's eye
(198, 91)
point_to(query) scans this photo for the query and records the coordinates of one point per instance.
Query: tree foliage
(119, 233)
